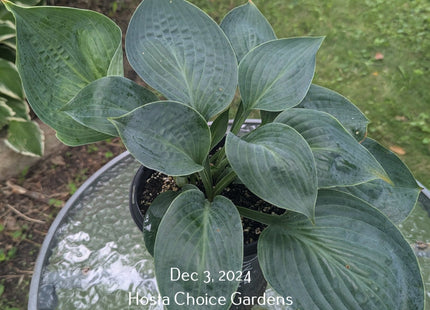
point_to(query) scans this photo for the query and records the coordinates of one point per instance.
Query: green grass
(392, 92)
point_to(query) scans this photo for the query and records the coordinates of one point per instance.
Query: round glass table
(93, 256)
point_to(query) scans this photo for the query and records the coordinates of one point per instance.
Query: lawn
(376, 53)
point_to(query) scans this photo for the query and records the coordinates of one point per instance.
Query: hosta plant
(21, 133)
(336, 244)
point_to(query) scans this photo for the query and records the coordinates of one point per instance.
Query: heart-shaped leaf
(25, 137)
(276, 75)
(353, 258)
(107, 97)
(323, 99)
(200, 237)
(246, 28)
(395, 200)
(277, 165)
(340, 159)
(64, 62)
(175, 144)
(180, 51)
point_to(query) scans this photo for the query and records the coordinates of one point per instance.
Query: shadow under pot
(257, 285)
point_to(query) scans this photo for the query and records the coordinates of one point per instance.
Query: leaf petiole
(224, 182)
(261, 217)
(239, 119)
(206, 178)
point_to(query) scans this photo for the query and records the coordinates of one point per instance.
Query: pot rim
(135, 188)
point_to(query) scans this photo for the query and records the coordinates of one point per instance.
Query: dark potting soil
(237, 193)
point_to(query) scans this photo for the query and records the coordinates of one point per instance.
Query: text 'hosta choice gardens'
(335, 243)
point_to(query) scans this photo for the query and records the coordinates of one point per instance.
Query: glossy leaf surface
(180, 51)
(175, 144)
(352, 258)
(202, 237)
(246, 28)
(60, 51)
(395, 200)
(277, 165)
(276, 75)
(340, 159)
(325, 100)
(107, 97)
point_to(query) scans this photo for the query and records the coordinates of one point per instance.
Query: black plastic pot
(258, 284)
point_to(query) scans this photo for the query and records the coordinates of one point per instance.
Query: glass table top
(93, 256)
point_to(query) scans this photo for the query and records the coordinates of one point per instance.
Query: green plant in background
(335, 246)
(23, 135)
(423, 124)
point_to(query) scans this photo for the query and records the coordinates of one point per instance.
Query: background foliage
(376, 53)
(23, 135)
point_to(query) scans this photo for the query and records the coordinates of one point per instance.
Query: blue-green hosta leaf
(276, 75)
(277, 165)
(246, 28)
(10, 83)
(166, 136)
(395, 200)
(203, 237)
(352, 258)
(323, 99)
(107, 97)
(340, 159)
(155, 213)
(25, 137)
(180, 51)
(60, 51)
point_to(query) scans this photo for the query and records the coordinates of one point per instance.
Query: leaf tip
(320, 40)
